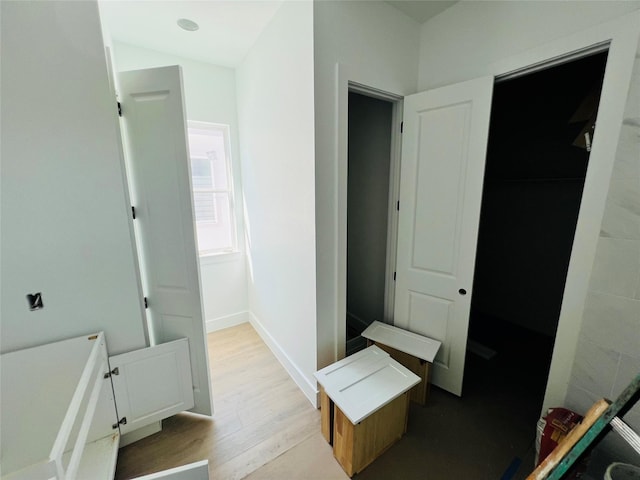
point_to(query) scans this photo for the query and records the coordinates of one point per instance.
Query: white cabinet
(151, 384)
(155, 136)
(58, 412)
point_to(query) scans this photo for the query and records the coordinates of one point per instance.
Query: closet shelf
(536, 180)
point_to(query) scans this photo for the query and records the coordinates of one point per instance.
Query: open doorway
(368, 211)
(538, 152)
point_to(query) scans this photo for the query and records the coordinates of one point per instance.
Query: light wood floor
(259, 414)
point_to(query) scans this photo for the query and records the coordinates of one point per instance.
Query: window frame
(229, 192)
(206, 190)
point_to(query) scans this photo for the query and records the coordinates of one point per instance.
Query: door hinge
(115, 371)
(133, 212)
(394, 276)
(122, 421)
(146, 302)
(401, 127)
(119, 109)
(398, 205)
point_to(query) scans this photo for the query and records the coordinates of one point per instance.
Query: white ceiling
(228, 28)
(227, 31)
(421, 10)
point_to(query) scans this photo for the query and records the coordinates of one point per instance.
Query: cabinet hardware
(122, 421)
(115, 371)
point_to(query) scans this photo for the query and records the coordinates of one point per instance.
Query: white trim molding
(309, 389)
(358, 80)
(215, 324)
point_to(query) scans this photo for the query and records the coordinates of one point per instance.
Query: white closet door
(155, 137)
(151, 384)
(443, 157)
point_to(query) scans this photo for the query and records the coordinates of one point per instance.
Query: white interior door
(151, 384)
(155, 137)
(443, 156)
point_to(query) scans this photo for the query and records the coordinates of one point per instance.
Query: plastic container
(622, 471)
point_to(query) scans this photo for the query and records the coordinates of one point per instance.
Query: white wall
(210, 96)
(65, 227)
(608, 353)
(378, 45)
(275, 106)
(473, 39)
(464, 41)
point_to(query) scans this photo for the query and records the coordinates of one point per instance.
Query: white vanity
(64, 405)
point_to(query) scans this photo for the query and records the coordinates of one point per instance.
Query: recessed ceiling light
(188, 25)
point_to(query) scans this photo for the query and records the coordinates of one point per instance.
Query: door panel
(436, 129)
(152, 383)
(443, 156)
(160, 183)
(439, 311)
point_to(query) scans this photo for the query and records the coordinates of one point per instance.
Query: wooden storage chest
(364, 406)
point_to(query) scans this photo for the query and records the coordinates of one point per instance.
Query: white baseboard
(228, 321)
(310, 390)
(357, 320)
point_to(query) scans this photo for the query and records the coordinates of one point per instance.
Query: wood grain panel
(356, 446)
(326, 412)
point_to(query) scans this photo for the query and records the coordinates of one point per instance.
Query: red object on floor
(559, 422)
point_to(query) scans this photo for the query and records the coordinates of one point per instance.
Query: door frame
(352, 80)
(113, 88)
(621, 37)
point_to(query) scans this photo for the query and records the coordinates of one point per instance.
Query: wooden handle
(567, 443)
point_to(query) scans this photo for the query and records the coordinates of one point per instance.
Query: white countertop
(365, 382)
(417, 345)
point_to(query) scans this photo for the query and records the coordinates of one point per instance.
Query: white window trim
(220, 257)
(212, 257)
(211, 190)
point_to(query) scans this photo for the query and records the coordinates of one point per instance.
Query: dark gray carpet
(479, 435)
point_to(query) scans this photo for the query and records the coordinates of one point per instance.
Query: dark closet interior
(369, 157)
(540, 135)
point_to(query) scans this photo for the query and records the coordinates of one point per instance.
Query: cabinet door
(151, 384)
(158, 170)
(443, 155)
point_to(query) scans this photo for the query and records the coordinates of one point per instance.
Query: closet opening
(540, 136)
(369, 209)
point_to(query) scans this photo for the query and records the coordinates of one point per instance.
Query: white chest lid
(365, 382)
(417, 345)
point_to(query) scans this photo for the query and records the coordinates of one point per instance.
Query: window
(212, 187)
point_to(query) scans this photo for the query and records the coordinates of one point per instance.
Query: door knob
(462, 291)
